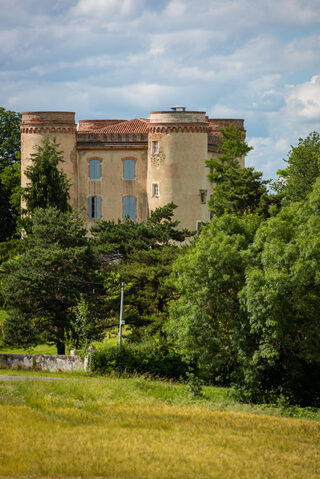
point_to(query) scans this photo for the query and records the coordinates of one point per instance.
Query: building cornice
(43, 130)
(178, 128)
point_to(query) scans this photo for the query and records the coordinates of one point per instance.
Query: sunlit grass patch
(40, 349)
(156, 441)
(134, 428)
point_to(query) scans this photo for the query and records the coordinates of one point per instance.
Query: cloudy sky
(252, 59)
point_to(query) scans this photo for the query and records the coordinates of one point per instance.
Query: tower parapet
(37, 125)
(178, 147)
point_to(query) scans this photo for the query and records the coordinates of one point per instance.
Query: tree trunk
(61, 349)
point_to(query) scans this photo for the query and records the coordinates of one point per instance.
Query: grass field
(135, 428)
(40, 349)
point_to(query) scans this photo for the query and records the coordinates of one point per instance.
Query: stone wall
(42, 362)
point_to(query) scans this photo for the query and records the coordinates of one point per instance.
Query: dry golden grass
(78, 430)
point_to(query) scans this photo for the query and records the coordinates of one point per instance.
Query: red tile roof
(138, 125)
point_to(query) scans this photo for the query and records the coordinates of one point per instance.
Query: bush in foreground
(144, 358)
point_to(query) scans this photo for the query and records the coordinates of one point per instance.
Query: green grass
(40, 349)
(132, 428)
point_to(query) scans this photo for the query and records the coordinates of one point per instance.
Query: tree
(280, 349)
(9, 172)
(205, 317)
(236, 190)
(49, 186)
(141, 255)
(297, 179)
(43, 285)
(126, 236)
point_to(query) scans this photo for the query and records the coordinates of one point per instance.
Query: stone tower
(177, 150)
(37, 125)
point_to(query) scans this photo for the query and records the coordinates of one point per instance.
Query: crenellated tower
(37, 125)
(177, 150)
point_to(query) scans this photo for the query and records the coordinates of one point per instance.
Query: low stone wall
(42, 362)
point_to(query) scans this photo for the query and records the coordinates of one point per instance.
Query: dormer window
(155, 148)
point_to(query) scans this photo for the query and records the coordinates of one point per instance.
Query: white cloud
(304, 100)
(252, 59)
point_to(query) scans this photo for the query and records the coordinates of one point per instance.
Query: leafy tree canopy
(206, 317)
(9, 172)
(236, 190)
(42, 286)
(280, 351)
(303, 168)
(147, 251)
(126, 236)
(9, 137)
(49, 186)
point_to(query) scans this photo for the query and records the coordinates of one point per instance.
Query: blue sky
(252, 59)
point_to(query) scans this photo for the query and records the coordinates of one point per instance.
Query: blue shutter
(128, 167)
(94, 207)
(90, 207)
(94, 169)
(98, 206)
(129, 207)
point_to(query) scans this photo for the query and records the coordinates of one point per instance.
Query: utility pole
(121, 323)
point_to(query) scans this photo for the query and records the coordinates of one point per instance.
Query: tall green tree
(205, 317)
(48, 184)
(236, 190)
(303, 168)
(280, 349)
(146, 251)
(43, 285)
(9, 172)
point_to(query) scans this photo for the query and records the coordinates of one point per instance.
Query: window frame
(154, 187)
(155, 151)
(94, 209)
(125, 162)
(124, 216)
(203, 197)
(90, 162)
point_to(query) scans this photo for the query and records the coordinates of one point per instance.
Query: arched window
(128, 169)
(94, 207)
(94, 170)
(129, 207)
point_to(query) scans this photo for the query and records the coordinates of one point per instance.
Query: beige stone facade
(123, 168)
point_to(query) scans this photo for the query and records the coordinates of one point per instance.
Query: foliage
(146, 256)
(206, 317)
(48, 185)
(195, 385)
(126, 236)
(280, 349)
(83, 328)
(9, 249)
(296, 180)
(236, 190)
(9, 172)
(149, 357)
(43, 285)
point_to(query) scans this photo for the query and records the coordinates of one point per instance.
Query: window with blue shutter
(128, 169)
(129, 207)
(94, 207)
(94, 171)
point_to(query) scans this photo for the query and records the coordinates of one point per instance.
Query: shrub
(144, 358)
